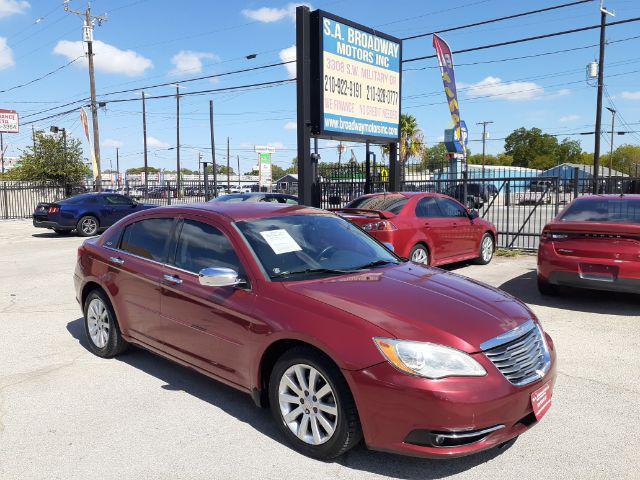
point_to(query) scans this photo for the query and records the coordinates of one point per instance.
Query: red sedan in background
(426, 228)
(308, 314)
(594, 243)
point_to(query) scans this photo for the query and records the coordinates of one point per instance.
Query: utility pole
(178, 140)
(144, 141)
(87, 31)
(33, 137)
(238, 172)
(4, 183)
(118, 167)
(484, 141)
(228, 169)
(213, 151)
(596, 148)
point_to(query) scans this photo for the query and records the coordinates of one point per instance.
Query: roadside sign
(9, 121)
(359, 77)
(264, 149)
(264, 170)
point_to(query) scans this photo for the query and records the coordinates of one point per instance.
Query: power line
(526, 39)
(42, 77)
(499, 19)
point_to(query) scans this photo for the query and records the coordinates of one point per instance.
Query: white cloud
(270, 15)
(187, 61)
(286, 55)
(511, 91)
(276, 145)
(6, 55)
(631, 95)
(290, 126)
(153, 142)
(569, 118)
(110, 143)
(108, 59)
(11, 7)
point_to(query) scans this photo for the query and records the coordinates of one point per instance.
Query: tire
(62, 231)
(546, 288)
(88, 226)
(308, 410)
(101, 326)
(487, 248)
(420, 254)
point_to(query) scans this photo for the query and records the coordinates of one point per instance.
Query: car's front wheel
(88, 226)
(101, 326)
(487, 248)
(312, 404)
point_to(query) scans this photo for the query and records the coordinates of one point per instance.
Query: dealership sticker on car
(541, 401)
(280, 241)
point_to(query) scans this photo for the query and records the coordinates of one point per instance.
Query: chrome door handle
(173, 279)
(116, 260)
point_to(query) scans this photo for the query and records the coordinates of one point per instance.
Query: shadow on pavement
(524, 288)
(49, 235)
(240, 406)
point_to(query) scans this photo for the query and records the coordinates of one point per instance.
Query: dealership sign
(358, 88)
(9, 121)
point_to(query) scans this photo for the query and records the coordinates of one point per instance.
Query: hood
(413, 302)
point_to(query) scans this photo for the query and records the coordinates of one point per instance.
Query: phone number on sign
(382, 95)
(341, 86)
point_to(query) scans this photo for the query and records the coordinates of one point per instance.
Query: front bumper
(398, 411)
(565, 270)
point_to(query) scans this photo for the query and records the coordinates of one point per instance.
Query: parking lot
(67, 414)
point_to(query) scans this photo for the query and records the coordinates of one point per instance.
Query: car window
(428, 208)
(147, 238)
(204, 246)
(271, 199)
(78, 199)
(610, 210)
(451, 209)
(117, 200)
(111, 239)
(232, 198)
(389, 203)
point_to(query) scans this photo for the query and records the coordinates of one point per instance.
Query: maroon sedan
(426, 228)
(594, 243)
(308, 314)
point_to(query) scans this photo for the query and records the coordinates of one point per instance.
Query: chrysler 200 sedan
(319, 321)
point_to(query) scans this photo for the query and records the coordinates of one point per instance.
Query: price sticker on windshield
(280, 241)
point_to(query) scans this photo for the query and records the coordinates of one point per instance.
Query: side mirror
(473, 214)
(218, 277)
(389, 246)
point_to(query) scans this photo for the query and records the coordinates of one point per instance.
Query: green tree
(136, 170)
(525, 145)
(48, 160)
(411, 139)
(434, 157)
(568, 151)
(626, 159)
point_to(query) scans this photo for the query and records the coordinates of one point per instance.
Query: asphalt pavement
(67, 414)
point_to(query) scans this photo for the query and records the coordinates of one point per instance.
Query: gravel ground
(67, 414)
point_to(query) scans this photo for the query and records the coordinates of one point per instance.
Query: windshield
(234, 198)
(610, 210)
(387, 203)
(307, 246)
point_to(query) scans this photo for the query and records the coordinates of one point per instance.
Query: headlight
(428, 359)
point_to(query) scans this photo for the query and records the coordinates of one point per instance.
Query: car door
(117, 207)
(137, 267)
(461, 231)
(214, 322)
(434, 227)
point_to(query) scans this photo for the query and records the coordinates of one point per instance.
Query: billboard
(9, 121)
(359, 79)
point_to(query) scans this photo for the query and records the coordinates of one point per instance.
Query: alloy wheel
(308, 404)
(89, 226)
(487, 248)
(420, 255)
(98, 323)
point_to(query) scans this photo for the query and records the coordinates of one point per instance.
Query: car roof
(240, 211)
(609, 196)
(404, 194)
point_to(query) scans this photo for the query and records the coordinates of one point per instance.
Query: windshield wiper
(310, 270)
(377, 263)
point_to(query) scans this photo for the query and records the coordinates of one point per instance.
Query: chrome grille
(522, 360)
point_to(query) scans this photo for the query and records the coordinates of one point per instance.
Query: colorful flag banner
(445, 60)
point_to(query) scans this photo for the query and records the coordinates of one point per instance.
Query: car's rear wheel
(88, 226)
(546, 288)
(312, 404)
(487, 248)
(420, 254)
(101, 326)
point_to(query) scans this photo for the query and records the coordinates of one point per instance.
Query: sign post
(264, 166)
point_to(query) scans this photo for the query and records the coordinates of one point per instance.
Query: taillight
(383, 225)
(54, 209)
(553, 236)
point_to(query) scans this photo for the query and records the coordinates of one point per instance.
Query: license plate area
(598, 272)
(541, 401)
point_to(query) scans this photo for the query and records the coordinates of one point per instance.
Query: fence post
(168, 184)
(507, 203)
(557, 207)
(207, 197)
(576, 178)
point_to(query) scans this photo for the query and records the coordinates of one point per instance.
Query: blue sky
(154, 41)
